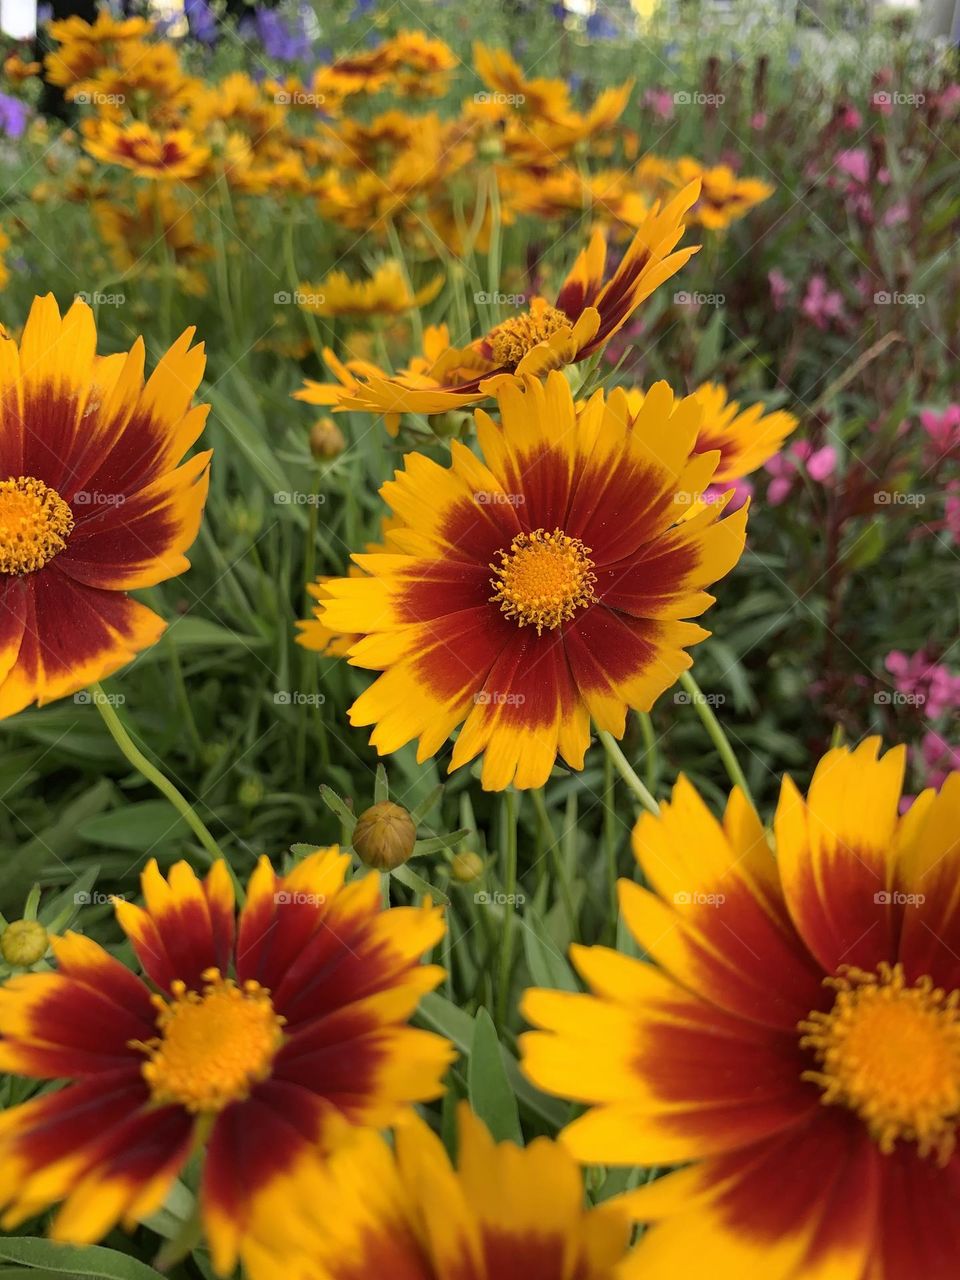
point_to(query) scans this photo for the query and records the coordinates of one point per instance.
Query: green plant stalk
(508, 838)
(717, 735)
(627, 772)
(553, 852)
(152, 773)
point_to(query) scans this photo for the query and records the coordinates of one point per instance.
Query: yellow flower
(723, 197)
(150, 153)
(385, 293)
(132, 235)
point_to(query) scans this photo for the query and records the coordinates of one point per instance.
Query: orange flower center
(543, 579)
(214, 1045)
(509, 342)
(891, 1052)
(35, 523)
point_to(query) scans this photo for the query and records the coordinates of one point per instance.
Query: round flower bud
(326, 440)
(466, 867)
(23, 943)
(250, 792)
(384, 836)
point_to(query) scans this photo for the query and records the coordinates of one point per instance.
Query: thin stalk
(508, 842)
(627, 772)
(716, 733)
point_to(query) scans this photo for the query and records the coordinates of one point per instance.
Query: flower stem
(508, 839)
(627, 772)
(151, 773)
(717, 735)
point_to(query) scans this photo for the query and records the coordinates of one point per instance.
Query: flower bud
(384, 836)
(326, 440)
(23, 943)
(466, 867)
(250, 792)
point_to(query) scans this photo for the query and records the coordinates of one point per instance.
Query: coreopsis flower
(745, 438)
(541, 588)
(796, 1040)
(148, 152)
(586, 313)
(92, 503)
(505, 1212)
(540, 97)
(85, 46)
(131, 234)
(385, 293)
(261, 1041)
(724, 197)
(17, 71)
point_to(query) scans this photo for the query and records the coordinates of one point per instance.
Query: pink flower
(855, 164)
(822, 464)
(896, 214)
(939, 758)
(946, 103)
(943, 430)
(932, 685)
(780, 288)
(850, 117)
(661, 101)
(785, 466)
(759, 121)
(822, 306)
(742, 492)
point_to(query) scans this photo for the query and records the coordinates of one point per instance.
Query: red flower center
(35, 523)
(891, 1052)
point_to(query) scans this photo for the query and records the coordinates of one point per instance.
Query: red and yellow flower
(262, 1040)
(92, 502)
(796, 1042)
(505, 1212)
(587, 312)
(724, 197)
(541, 588)
(150, 153)
(744, 438)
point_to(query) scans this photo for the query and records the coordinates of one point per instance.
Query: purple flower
(284, 43)
(600, 27)
(14, 114)
(201, 20)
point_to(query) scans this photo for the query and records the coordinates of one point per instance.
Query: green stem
(627, 772)
(508, 838)
(553, 852)
(717, 735)
(151, 773)
(649, 750)
(610, 838)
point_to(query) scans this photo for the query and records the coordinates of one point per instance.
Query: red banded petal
(918, 1227)
(927, 877)
(834, 853)
(585, 278)
(139, 541)
(15, 608)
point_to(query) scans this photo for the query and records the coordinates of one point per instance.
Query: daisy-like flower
(385, 293)
(723, 197)
(92, 502)
(586, 313)
(262, 1040)
(541, 588)
(150, 153)
(797, 1041)
(745, 438)
(505, 1213)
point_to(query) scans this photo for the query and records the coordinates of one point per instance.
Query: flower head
(385, 293)
(93, 503)
(525, 594)
(262, 1040)
(801, 1013)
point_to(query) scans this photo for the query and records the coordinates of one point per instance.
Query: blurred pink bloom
(819, 464)
(850, 118)
(780, 288)
(934, 686)
(742, 492)
(896, 214)
(948, 101)
(855, 164)
(759, 121)
(943, 430)
(939, 758)
(661, 101)
(822, 305)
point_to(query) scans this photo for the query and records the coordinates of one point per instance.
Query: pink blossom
(896, 214)
(943, 430)
(948, 101)
(822, 305)
(850, 117)
(742, 492)
(822, 464)
(819, 465)
(939, 758)
(661, 101)
(759, 120)
(931, 684)
(780, 288)
(855, 164)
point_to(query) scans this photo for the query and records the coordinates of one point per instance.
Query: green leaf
(63, 1259)
(547, 966)
(417, 883)
(136, 826)
(491, 1097)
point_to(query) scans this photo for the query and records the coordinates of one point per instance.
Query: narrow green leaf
(491, 1097)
